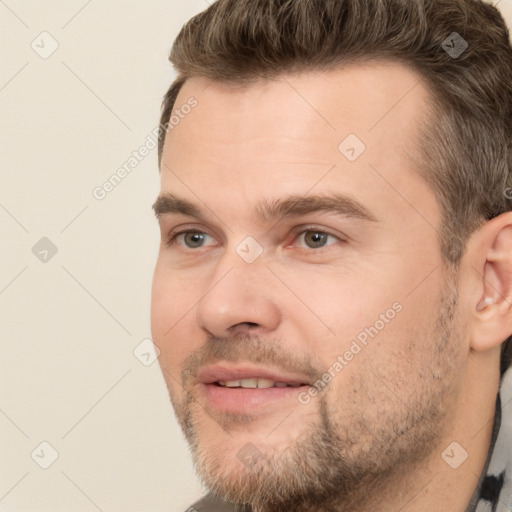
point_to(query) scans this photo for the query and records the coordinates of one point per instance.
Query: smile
(256, 383)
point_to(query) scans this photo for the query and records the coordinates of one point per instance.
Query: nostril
(242, 325)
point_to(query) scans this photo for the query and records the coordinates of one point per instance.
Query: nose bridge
(244, 263)
(237, 293)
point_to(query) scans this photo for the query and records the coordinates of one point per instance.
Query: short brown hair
(461, 48)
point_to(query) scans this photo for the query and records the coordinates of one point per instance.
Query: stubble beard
(343, 461)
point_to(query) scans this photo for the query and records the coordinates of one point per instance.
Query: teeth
(249, 383)
(265, 383)
(254, 383)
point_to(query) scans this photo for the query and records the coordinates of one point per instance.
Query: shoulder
(211, 504)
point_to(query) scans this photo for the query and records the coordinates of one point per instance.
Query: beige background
(70, 324)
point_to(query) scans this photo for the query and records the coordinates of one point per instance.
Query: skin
(430, 376)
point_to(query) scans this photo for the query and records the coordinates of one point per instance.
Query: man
(333, 290)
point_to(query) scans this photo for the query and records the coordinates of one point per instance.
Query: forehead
(367, 98)
(287, 135)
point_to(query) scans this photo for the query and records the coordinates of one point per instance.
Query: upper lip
(216, 373)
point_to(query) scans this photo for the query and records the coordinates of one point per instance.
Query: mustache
(248, 348)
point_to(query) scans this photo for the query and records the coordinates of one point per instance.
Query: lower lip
(240, 400)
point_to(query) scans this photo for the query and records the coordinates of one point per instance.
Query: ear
(491, 318)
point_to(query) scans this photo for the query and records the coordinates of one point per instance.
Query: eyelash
(172, 238)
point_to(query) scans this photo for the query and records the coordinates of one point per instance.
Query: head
(337, 205)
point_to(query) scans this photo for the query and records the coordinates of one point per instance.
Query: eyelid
(188, 228)
(296, 232)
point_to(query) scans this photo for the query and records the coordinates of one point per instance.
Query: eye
(191, 239)
(315, 239)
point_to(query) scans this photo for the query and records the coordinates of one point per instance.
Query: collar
(494, 490)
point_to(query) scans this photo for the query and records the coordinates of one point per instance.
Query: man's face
(306, 257)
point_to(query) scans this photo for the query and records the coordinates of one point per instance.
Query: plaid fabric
(494, 494)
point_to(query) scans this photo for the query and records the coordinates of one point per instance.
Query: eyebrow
(292, 206)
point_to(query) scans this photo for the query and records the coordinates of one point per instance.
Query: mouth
(256, 384)
(247, 389)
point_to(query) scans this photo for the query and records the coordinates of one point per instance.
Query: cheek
(161, 304)
(371, 306)
(172, 307)
(334, 306)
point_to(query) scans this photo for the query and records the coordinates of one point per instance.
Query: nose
(239, 298)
